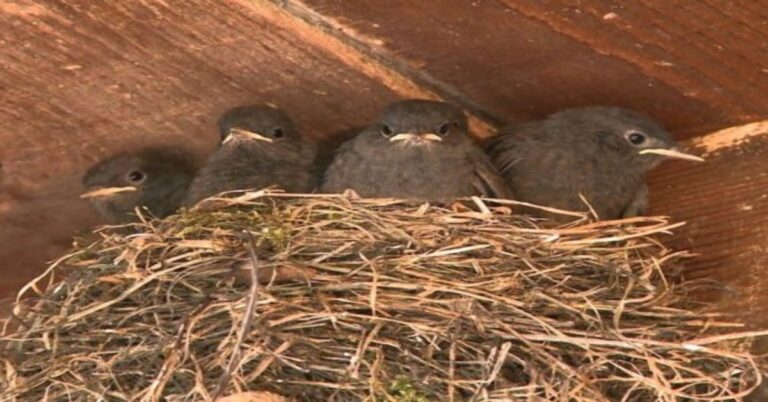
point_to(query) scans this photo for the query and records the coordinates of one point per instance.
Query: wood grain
(725, 204)
(524, 59)
(698, 48)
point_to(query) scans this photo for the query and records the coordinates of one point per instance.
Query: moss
(403, 391)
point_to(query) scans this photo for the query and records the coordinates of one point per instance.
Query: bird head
(119, 184)
(256, 124)
(636, 138)
(421, 123)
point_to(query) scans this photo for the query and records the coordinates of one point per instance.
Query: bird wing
(487, 180)
(504, 147)
(639, 204)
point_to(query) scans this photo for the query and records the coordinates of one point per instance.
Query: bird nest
(332, 298)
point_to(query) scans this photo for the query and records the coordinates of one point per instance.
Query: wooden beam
(725, 204)
(524, 59)
(674, 43)
(319, 31)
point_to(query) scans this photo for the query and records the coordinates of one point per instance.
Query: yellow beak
(106, 191)
(416, 137)
(672, 153)
(241, 133)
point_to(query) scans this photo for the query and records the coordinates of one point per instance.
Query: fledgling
(602, 153)
(418, 149)
(155, 178)
(260, 148)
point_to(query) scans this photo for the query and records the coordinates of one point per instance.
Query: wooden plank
(399, 76)
(85, 79)
(725, 204)
(524, 59)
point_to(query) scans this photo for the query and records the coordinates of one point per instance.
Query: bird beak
(239, 132)
(416, 137)
(402, 137)
(431, 137)
(672, 153)
(107, 191)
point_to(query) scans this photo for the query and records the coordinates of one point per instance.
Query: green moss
(192, 222)
(275, 237)
(403, 391)
(267, 225)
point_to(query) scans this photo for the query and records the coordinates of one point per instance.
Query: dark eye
(636, 138)
(386, 130)
(278, 132)
(136, 176)
(444, 129)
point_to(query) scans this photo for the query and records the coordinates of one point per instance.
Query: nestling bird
(155, 178)
(602, 153)
(418, 149)
(260, 148)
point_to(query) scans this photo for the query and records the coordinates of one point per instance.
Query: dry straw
(330, 298)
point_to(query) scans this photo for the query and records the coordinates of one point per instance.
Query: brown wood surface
(83, 79)
(724, 202)
(696, 65)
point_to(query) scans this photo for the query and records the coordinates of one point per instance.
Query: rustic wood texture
(697, 66)
(83, 79)
(725, 204)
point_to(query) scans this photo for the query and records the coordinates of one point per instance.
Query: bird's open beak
(672, 153)
(239, 132)
(106, 191)
(416, 137)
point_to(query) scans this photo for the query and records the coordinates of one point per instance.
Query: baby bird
(601, 153)
(155, 178)
(418, 149)
(260, 148)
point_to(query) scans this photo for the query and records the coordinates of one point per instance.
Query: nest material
(376, 300)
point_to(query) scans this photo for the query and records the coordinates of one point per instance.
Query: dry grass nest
(330, 298)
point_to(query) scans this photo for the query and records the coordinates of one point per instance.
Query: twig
(247, 320)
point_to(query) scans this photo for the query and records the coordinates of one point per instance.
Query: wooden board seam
(321, 32)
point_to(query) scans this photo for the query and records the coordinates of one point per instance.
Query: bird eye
(636, 138)
(444, 129)
(386, 130)
(136, 176)
(278, 132)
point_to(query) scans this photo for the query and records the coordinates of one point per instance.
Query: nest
(330, 298)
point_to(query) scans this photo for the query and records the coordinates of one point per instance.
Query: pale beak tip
(106, 191)
(248, 134)
(673, 153)
(400, 137)
(432, 137)
(419, 137)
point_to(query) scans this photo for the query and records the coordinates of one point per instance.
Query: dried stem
(365, 299)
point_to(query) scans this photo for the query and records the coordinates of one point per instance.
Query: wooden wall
(724, 203)
(83, 79)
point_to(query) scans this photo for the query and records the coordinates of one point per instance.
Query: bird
(328, 145)
(600, 153)
(418, 149)
(152, 177)
(259, 148)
